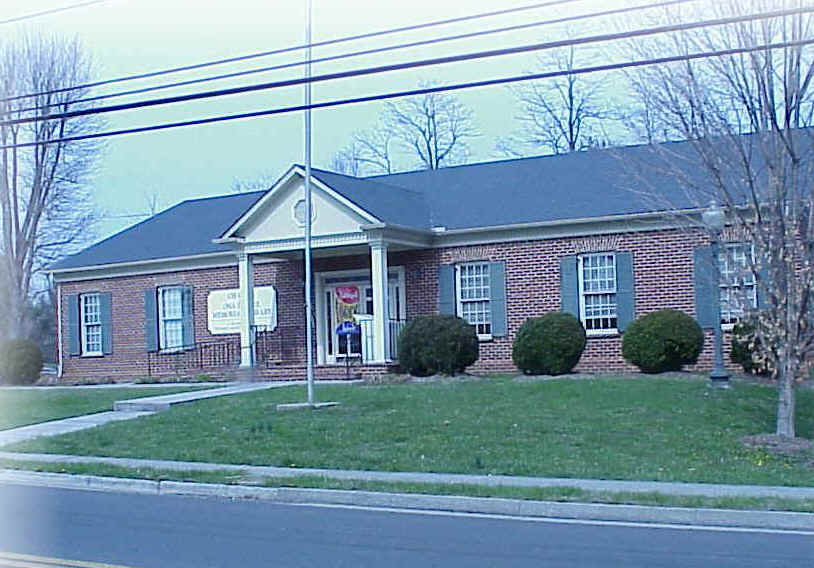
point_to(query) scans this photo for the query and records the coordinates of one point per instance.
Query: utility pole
(309, 326)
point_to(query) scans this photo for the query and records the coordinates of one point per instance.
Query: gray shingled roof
(183, 230)
(579, 185)
(549, 188)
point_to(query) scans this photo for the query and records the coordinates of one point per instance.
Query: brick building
(216, 283)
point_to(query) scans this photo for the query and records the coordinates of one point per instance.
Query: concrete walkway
(134, 408)
(64, 426)
(665, 488)
(165, 401)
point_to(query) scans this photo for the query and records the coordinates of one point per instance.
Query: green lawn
(653, 428)
(23, 407)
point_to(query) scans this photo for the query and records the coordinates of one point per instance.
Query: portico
(359, 311)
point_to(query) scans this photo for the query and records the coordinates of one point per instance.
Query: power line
(372, 51)
(256, 55)
(413, 64)
(428, 90)
(51, 11)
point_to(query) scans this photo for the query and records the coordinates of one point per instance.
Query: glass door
(342, 302)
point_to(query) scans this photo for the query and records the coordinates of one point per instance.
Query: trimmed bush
(746, 350)
(663, 341)
(437, 344)
(20, 362)
(549, 345)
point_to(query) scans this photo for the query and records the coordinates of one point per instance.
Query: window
(737, 283)
(90, 319)
(170, 318)
(473, 297)
(597, 292)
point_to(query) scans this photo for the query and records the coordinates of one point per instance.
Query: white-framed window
(597, 292)
(170, 317)
(737, 284)
(473, 291)
(90, 318)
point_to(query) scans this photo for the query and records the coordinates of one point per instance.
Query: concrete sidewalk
(134, 408)
(665, 488)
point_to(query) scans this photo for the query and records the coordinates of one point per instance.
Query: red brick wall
(129, 358)
(662, 262)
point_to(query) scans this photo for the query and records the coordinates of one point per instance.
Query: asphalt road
(159, 532)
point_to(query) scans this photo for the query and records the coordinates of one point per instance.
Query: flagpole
(309, 331)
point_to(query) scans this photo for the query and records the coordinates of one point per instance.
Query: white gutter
(138, 262)
(563, 222)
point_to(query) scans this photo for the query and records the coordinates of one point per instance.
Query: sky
(132, 36)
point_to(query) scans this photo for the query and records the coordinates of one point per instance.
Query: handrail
(207, 354)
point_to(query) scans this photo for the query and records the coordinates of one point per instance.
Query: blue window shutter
(569, 287)
(106, 313)
(625, 297)
(446, 289)
(497, 297)
(188, 315)
(150, 320)
(707, 292)
(73, 325)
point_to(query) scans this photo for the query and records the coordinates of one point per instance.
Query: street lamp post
(714, 218)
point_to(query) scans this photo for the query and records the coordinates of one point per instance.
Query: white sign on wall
(223, 309)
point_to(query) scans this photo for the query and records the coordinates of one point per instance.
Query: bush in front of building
(549, 345)
(20, 362)
(437, 344)
(746, 350)
(663, 341)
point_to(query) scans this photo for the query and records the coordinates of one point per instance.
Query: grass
(224, 476)
(558, 494)
(606, 428)
(24, 407)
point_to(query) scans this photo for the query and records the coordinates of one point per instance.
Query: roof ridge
(221, 196)
(527, 158)
(368, 179)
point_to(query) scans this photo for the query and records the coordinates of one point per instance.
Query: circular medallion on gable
(299, 212)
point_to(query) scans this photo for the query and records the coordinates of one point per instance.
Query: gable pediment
(279, 215)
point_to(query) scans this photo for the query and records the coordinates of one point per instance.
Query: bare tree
(369, 152)
(747, 120)
(560, 115)
(153, 202)
(433, 130)
(46, 208)
(261, 182)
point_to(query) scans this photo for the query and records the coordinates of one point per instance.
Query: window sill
(725, 327)
(172, 350)
(485, 338)
(602, 333)
(92, 355)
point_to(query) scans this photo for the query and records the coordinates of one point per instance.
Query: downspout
(59, 326)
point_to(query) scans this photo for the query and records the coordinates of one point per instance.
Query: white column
(378, 277)
(245, 272)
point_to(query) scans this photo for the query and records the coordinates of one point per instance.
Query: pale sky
(132, 36)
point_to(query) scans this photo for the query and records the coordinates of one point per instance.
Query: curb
(722, 518)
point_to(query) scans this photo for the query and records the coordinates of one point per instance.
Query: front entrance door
(342, 302)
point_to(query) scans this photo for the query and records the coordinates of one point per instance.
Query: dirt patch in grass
(783, 446)
(403, 378)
